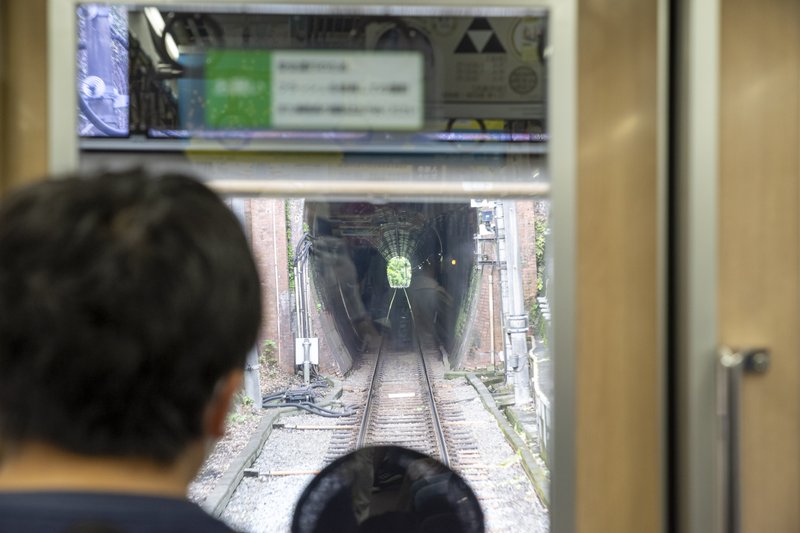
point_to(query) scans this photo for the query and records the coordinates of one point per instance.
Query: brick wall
(478, 351)
(527, 249)
(480, 347)
(267, 219)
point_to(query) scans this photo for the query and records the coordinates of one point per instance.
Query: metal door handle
(731, 364)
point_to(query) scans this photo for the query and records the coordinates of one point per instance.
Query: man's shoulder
(79, 512)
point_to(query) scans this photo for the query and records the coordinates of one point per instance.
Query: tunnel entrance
(358, 264)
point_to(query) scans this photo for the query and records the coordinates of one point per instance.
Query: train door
(604, 160)
(740, 266)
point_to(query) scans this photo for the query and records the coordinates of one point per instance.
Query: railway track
(344, 437)
(399, 413)
(396, 406)
(400, 398)
(407, 402)
(400, 406)
(404, 405)
(401, 409)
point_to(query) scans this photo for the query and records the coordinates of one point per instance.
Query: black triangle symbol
(493, 46)
(466, 46)
(480, 24)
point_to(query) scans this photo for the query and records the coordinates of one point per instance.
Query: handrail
(361, 188)
(731, 364)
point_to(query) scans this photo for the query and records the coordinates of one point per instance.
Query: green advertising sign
(238, 89)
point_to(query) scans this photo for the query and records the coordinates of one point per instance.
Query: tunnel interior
(352, 244)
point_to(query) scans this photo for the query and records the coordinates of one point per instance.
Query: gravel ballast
(265, 504)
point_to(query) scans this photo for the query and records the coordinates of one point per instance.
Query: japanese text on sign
(347, 90)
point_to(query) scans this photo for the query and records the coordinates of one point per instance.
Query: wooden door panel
(759, 247)
(23, 98)
(619, 404)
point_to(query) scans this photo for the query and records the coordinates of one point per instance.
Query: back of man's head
(124, 299)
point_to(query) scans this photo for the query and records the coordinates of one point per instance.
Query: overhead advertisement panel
(331, 89)
(267, 78)
(347, 90)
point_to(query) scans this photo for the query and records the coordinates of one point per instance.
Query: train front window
(389, 165)
(387, 322)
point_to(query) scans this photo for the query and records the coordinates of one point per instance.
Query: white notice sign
(300, 346)
(344, 90)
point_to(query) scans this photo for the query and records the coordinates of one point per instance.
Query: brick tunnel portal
(352, 243)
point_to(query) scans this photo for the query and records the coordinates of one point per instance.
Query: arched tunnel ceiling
(392, 229)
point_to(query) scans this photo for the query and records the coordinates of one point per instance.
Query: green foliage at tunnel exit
(398, 271)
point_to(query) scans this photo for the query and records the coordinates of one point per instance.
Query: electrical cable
(317, 410)
(313, 409)
(303, 398)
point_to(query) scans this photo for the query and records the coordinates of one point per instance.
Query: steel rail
(362, 428)
(437, 436)
(437, 423)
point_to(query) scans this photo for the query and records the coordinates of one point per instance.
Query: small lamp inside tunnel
(398, 271)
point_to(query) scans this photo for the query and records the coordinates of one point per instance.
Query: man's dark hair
(123, 300)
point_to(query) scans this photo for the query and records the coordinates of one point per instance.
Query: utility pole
(488, 232)
(500, 250)
(252, 379)
(304, 342)
(515, 318)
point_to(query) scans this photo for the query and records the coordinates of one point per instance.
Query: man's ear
(220, 404)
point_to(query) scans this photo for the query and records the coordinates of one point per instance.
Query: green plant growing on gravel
(267, 355)
(242, 408)
(237, 418)
(242, 400)
(268, 359)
